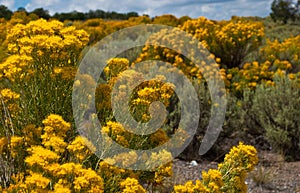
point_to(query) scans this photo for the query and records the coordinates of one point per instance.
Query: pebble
(193, 163)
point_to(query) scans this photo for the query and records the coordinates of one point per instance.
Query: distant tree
(132, 14)
(100, 14)
(21, 9)
(298, 9)
(72, 16)
(41, 13)
(284, 10)
(5, 12)
(75, 15)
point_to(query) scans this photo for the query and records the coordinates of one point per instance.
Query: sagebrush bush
(277, 111)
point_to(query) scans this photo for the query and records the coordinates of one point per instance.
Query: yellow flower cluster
(32, 134)
(51, 36)
(115, 66)
(81, 148)
(255, 73)
(240, 160)
(286, 52)
(230, 40)
(163, 172)
(16, 144)
(147, 93)
(127, 139)
(54, 132)
(36, 181)
(240, 32)
(46, 172)
(161, 157)
(10, 100)
(54, 124)
(41, 157)
(131, 185)
(12, 67)
(249, 76)
(201, 28)
(141, 97)
(41, 45)
(213, 180)
(99, 28)
(189, 187)
(226, 40)
(114, 176)
(235, 39)
(166, 37)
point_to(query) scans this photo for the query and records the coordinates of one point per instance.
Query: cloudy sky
(212, 9)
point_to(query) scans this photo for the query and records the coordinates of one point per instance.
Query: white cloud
(46, 4)
(213, 9)
(8, 3)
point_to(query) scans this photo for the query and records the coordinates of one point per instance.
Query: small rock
(193, 163)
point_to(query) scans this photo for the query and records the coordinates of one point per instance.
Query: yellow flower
(162, 173)
(162, 157)
(16, 142)
(81, 148)
(36, 181)
(126, 159)
(40, 156)
(55, 124)
(213, 180)
(58, 188)
(292, 76)
(57, 143)
(131, 185)
(89, 181)
(189, 187)
(116, 66)
(240, 160)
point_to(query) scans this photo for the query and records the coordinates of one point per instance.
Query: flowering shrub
(255, 73)
(230, 40)
(205, 67)
(46, 165)
(40, 151)
(230, 175)
(286, 52)
(99, 28)
(131, 185)
(53, 165)
(41, 66)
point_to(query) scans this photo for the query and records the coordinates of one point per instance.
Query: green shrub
(277, 111)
